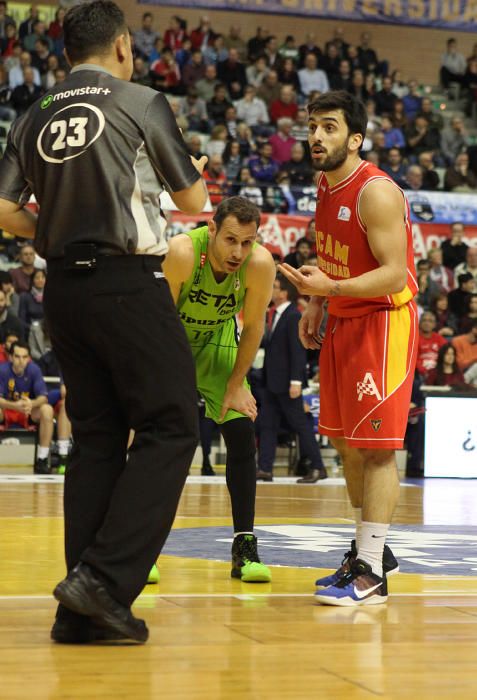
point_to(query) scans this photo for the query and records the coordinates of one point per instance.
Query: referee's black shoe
(82, 592)
(70, 628)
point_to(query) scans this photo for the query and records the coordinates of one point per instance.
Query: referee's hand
(200, 164)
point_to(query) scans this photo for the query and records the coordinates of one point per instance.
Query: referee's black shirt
(96, 152)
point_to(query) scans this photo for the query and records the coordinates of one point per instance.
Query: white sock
(43, 452)
(236, 534)
(371, 547)
(63, 447)
(358, 521)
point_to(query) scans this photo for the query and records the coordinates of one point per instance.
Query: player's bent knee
(46, 412)
(377, 458)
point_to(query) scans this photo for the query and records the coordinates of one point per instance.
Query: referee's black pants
(126, 364)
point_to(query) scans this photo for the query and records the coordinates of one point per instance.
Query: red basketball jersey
(342, 244)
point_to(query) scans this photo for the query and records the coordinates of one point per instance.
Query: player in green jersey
(214, 272)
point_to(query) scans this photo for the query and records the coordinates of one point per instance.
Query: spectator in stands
(55, 30)
(459, 177)
(194, 110)
(289, 50)
(271, 52)
(285, 106)
(194, 70)
(421, 136)
(269, 90)
(141, 72)
(8, 43)
(145, 38)
(282, 142)
(414, 178)
(467, 321)
(233, 40)
(466, 348)
(21, 276)
(215, 179)
(31, 302)
(218, 105)
(428, 290)
(182, 55)
(354, 59)
(232, 73)
(358, 87)
(393, 137)
(11, 297)
(309, 46)
(459, 298)
(399, 86)
(252, 110)
(175, 34)
(16, 77)
(194, 146)
(60, 76)
(206, 86)
(470, 85)
(428, 344)
(216, 52)
(165, 73)
(311, 77)
(256, 45)
(27, 26)
(9, 323)
(218, 139)
(39, 32)
(300, 255)
(369, 58)
(446, 322)
(257, 71)
(232, 159)
(40, 56)
(434, 118)
(470, 264)
(52, 65)
(338, 41)
(430, 178)
(453, 65)
(454, 140)
(288, 75)
(7, 112)
(203, 34)
(385, 98)
(245, 138)
(248, 187)
(5, 347)
(454, 249)
(23, 397)
(299, 130)
(446, 372)
(343, 79)
(440, 275)
(231, 122)
(412, 101)
(298, 168)
(262, 166)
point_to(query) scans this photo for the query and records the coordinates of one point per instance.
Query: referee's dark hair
(244, 211)
(91, 27)
(288, 287)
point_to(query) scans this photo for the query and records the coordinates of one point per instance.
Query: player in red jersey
(366, 272)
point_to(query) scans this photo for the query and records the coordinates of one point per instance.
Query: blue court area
(437, 549)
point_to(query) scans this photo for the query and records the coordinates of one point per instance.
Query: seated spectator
(338, 41)
(430, 178)
(470, 264)
(194, 146)
(288, 75)
(203, 35)
(434, 119)
(282, 142)
(393, 137)
(252, 110)
(300, 255)
(175, 34)
(467, 321)
(466, 348)
(428, 344)
(311, 77)
(39, 32)
(31, 303)
(231, 122)
(442, 276)
(309, 46)
(218, 105)
(40, 57)
(245, 138)
(343, 79)
(144, 38)
(470, 84)
(298, 168)
(5, 347)
(21, 276)
(248, 188)
(9, 323)
(330, 62)
(217, 142)
(8, 41)
(370, 86)
(427, 289)
(16, 76)
(233, 40)
(232, 73)
(215, 179)
(52, 65)
(355, 60)
(262, 166)
(232, 159)
(6, 110)
(27, 26)
(299, 130)
(257, 71)
(385, 98)
(11, 297)
(446, 372)
(165, 73)
(398, 116)
(446, 321)
(459, 177)
(358, 86)
(453, 65)
(206, 86)
(454, 140)
(23, 398)
(256, 45)
(412, 101)
(270, 51)
(454, 249)
(193, 70)
(216, 52)
(369, 58)
(399, 87)
(194, 110)
(285, 106)
(459, 298)
(422, 137)
(269, 90)
(414, 178)
(289, 51)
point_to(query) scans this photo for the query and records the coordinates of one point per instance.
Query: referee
(96, 152)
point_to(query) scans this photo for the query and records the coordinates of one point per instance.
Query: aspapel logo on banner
(344, 214)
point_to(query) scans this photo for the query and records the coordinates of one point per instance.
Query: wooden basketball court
(214, 638)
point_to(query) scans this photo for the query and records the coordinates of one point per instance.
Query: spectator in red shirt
(282, 143)
(429, 344)
(285, 106)
(175, 35)
(215, 179)
(446, 371)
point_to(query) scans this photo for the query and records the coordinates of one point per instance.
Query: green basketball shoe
(246, 564)
(154, 575)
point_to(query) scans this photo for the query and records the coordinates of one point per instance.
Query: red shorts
(366, 373)
(11, 417)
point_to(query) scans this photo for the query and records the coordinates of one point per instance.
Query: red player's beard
(331, 161)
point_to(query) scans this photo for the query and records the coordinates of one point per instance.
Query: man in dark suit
(283, 375)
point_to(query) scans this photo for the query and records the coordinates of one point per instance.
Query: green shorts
(214, 354)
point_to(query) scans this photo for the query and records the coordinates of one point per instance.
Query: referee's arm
(17, 220)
